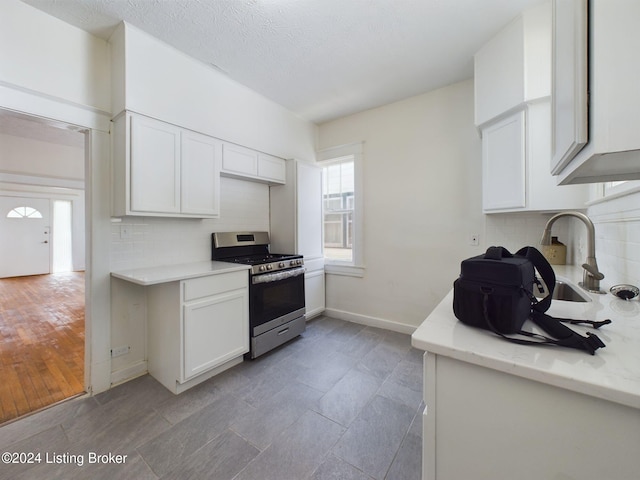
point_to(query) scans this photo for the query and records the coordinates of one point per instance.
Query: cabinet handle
(283, 331)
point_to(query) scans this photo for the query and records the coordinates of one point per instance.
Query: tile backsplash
(157, 241)
(617, 227)
(617, 223)
(516, 230)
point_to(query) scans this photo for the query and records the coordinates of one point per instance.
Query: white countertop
(173, 273)
(613, 373)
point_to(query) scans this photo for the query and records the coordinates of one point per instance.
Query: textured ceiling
(321, 59)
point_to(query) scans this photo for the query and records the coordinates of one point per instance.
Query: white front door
(25, 243)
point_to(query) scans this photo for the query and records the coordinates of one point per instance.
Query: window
(24, 212)
(342, 208)
(338, 203)
(619, 188)
(62, 247)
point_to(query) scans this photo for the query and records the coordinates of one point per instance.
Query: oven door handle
(276, 276)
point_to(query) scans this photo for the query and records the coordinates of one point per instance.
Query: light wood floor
(41, 341)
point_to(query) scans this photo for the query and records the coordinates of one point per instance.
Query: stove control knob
(292, 263)
(261, 268)
(269, 267)
(299, 262)
(281, 265)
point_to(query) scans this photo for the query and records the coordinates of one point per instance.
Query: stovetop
(271, 262)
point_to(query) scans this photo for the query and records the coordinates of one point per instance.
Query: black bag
(495, 291)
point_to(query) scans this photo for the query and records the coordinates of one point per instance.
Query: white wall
(27, 156)
(43, 54)
(422, 200)
(166, 84)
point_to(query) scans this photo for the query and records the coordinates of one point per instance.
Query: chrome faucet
(591, 275)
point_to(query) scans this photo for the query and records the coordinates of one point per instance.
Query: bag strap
(497, 253)
(564, 336)
(546, 272)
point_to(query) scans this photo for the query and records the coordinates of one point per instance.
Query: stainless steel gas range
(276, 287)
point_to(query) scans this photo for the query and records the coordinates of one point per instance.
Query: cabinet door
(155, 166)
(309, 210)
(271, 168)
(503, 163)
(314, 293)
(569, 81)
(237, 160)
(215, 330)
(200, 174)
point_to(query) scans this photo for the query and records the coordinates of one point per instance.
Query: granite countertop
(613, 373)
(173, 273)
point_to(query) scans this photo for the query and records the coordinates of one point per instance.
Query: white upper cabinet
(612, 151)
(569, 81)
(513, 113)
(154, 166)
(245, 163)
(504, 163)
(272, 169)
(163, 170)
(200, 174)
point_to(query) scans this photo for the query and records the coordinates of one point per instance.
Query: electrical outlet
(125, 232)
(474, 239)
(119, 351)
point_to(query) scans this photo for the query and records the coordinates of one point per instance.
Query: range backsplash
(167, 241)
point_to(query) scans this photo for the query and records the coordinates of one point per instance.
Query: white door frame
(95, 125)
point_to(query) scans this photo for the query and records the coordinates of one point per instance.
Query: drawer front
(271, 339)
(213, 284)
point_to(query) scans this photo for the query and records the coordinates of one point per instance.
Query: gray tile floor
(342, 401)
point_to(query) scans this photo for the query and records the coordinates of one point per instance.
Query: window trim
(607, 191)
(327, 156)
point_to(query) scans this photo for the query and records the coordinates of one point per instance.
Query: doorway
(42, 260)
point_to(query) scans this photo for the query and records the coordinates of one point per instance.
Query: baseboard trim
(370, 321)
(129, 373)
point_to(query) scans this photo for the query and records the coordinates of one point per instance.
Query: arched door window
(24, 212)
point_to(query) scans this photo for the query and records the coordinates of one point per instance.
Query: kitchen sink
(566, 292)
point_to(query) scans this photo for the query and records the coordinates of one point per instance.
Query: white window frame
(355, 267)
(610, 190)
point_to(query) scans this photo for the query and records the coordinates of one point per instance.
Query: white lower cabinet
(481, 423)
(314, 291)
(197, 328)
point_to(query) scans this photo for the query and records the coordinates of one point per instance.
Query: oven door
(275, 298)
